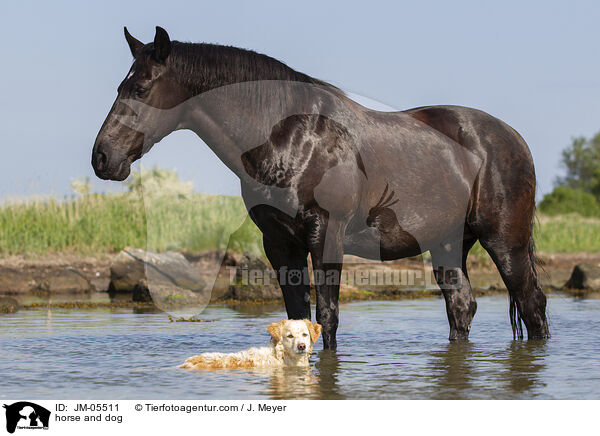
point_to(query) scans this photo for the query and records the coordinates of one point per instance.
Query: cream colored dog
(291, 343)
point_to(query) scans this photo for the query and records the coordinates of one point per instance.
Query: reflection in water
(453, 368)
(253, 310)
(49, 313)
(456, 371)
(523, 364)
(119, 297)
(293, 383)
(303, 383)
(457, 367)
(379, 356)
(328, 367)
(143, 310)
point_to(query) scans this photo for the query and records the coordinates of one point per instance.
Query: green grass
(107, 223)
(567, 234)
(200, 222)
(94, 223)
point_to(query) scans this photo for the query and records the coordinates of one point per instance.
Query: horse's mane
(202, 67)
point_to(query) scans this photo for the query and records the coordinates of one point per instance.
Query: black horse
(324, 176)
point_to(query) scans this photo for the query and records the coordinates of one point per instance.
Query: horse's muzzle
(108, 167)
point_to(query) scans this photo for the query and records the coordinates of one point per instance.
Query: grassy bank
(570, 233)
(106, 223)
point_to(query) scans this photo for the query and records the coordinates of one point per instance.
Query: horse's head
(145, 111)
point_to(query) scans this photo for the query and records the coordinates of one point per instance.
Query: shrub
(564, 200)
(159, 182)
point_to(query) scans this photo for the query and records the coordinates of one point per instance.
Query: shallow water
(386, 350)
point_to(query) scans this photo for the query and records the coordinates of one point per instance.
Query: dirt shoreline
(554, 273)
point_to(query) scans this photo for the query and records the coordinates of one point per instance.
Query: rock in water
(134, 264)
(68, 280)
(584, 276)
(141, 293)
(254, 280)
(15, 282)
(168, 279)
(8, 305)
(126, 270)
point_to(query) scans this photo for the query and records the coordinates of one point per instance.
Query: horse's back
(506, 183)
(476, 130)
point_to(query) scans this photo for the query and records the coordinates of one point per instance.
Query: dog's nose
(302, 347)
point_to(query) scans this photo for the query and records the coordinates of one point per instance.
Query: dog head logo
(26, 415)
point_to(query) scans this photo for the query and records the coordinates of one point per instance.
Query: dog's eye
(290, 336)
(305, 334)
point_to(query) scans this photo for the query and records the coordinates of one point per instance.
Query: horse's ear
(162, 45)
(134, 45)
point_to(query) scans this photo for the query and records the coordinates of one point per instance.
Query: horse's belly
(371, 244)
(403, 240)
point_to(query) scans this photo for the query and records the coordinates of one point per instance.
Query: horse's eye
(140, 91)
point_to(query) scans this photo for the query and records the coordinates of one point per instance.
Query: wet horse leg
(450, 269)
(326, 253)
(516, 265)
(290, 264)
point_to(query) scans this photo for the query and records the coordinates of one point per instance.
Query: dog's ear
(314, 329)
(274, 330)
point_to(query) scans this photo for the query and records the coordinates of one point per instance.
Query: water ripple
(387, 350)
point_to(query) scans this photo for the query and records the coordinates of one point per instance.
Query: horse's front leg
(326, 252)
(449, 262)
(291, 267)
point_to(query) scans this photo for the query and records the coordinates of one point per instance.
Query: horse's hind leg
(516, 265)
(450, 269)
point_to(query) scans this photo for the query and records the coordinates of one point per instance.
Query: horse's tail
(516, 321)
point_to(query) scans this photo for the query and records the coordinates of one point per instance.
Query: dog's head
(294, 336)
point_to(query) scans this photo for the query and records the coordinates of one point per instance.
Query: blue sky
(535, 65)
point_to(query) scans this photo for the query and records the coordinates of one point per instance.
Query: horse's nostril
(100, 161)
